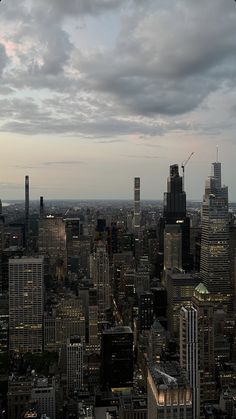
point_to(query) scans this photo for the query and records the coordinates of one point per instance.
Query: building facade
(26, 277)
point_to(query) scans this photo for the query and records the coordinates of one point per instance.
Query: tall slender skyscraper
(41, 207)
(189, 353)
(26, 211)
(137, 214)
(215, 258)
(26, 304)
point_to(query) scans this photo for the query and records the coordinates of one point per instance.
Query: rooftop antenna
(217, 154)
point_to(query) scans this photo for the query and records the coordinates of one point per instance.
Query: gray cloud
(61, 8)
(3, 58)
(150, 71)
(154, 70)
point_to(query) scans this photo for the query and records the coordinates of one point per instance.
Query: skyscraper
(41, 207)
(189, 353)
(26, 304)
(52, 244)
(137, 217)
(175, 214)
(137, 214)
(215, 258)
(100, 273)
(203, 303)
(74, 363)
(26, 211)
(117, 358)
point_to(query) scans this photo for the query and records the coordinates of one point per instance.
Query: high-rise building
(52, 245)
(189, 353)
(137, 213)
(41, 207)
(137, 217)
(117, 358)
(74, 364)
(27, 227)
(175, 214)
(204, 305)
(145, 311)
(169, 392)
(215, 258)
(100, 273)
(180, 289)
(172, 246)
(26, 304)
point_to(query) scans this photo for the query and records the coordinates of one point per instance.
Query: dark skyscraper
(175, 197)
(26, 211)
(117, 358)
(175, 214)
(41, 207)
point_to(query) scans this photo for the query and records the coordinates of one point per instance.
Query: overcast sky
(95, 92)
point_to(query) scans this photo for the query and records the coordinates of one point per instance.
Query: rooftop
(168, 374)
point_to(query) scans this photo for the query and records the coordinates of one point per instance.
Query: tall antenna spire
(217, 154)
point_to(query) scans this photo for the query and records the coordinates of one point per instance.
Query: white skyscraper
(74, 363)
(189, 353)
(26, 304)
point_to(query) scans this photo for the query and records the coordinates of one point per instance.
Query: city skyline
(91, 96)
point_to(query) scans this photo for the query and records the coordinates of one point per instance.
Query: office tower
(27, 227)
(175, 214)
(137, 218)
(180, 290)
(215, 260)
(204, 304)
(189, 353)
(169, 392)
(172, 246)
(100, 273)
(145, 311)
(43, 395)
(52, 245)
(26, 304)
(74, 364)
(73, 227)
(142, 282)
(41, 207)
(137, 211)
(117, 358)
(93, 318)
(67, 319)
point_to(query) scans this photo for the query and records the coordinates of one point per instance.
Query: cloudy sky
(95, 92)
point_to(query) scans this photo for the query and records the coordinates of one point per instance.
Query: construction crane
(184, 163)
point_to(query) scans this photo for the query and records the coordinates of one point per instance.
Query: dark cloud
(169, 57)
